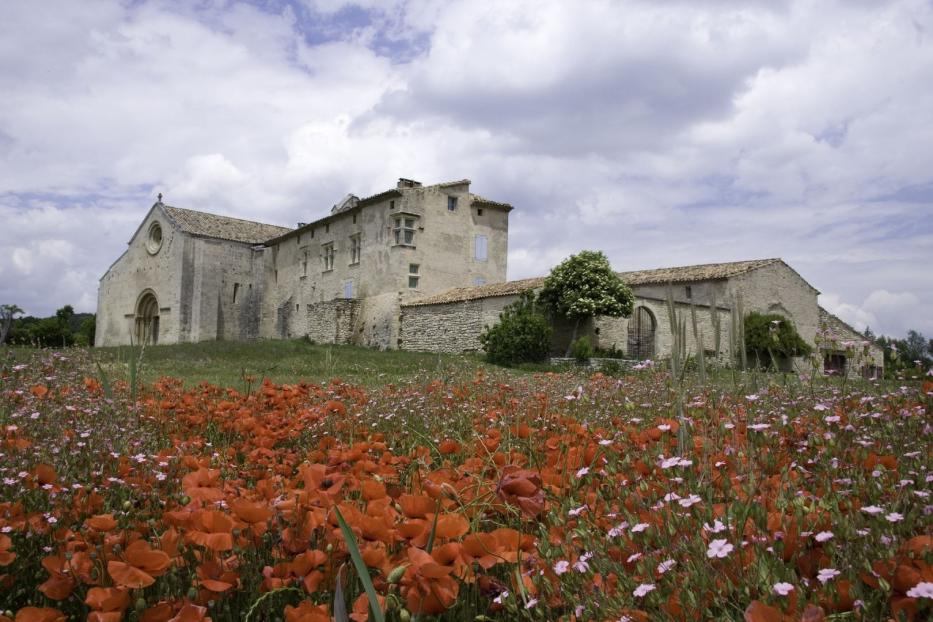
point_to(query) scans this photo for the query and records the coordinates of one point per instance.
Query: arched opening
(147, 320)
(641, 329)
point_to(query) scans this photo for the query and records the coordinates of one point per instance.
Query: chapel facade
(418, 268)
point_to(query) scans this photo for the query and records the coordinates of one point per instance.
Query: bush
(581, 349)
(522, 335)
(770, 333)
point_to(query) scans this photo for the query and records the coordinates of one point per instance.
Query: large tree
(584, 286)
(8, 313)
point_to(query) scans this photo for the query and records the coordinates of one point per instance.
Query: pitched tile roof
(836, 329)
(207, 225)
(680, 274)
(461, 294)
(700, 272)
(479, 201)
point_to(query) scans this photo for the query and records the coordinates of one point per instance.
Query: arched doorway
(641, 329)
(147, 319)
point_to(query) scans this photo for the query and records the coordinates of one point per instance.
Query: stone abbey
(415, 267)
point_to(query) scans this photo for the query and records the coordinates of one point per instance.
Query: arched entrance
(147, 319)
(641, 329)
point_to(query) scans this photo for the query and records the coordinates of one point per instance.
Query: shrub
(770, 333)
(581, 349)
(584, 286)
(522, 335)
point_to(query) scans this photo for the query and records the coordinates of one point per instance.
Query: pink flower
(561, 567)
(642, 590)
(582, 472)
(823, 536)
(894, 517)
(924, 589)
(872, 509)
(719, 548)
(783, 589)
(827, 574)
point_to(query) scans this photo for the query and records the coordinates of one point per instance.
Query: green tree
(522, 334)
(771, 334)
(584, 286)
(8, 313)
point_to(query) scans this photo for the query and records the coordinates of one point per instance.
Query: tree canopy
(584, 286)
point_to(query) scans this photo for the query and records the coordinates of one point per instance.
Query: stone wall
(451, 327)
(613, 332)
(332, 321)
(136, 272)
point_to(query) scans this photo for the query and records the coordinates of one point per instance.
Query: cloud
(662, 133)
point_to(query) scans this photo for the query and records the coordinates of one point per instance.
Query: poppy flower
(427, 586)
(39, 614)
(142, 565)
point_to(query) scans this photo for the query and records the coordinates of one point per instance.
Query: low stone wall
(449, 327)
(332, 321)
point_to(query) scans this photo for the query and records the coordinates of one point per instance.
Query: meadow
(419, 487)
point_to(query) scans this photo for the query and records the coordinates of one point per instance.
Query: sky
(662, 133)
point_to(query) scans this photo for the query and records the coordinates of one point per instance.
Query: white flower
(872, 509)
(640, 527)
(827, 574)
(716, 527)
(643, 589)
(666, 565)
(783, 589)
(561, 567)
(582, 472)
(719, 548)
(691, 500)
(924, 589)
(894, 517)
(823, 536)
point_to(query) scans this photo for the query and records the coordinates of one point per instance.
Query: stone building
(415, 267)
(193, 276)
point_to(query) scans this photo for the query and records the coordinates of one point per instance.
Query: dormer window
(404, 230)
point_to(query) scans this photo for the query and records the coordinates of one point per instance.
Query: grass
(230, 364)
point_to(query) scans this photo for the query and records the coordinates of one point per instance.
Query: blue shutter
(480, 248)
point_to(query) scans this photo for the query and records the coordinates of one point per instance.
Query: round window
(154, 243)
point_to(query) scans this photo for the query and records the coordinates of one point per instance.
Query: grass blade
(340, 604)
(360, 566)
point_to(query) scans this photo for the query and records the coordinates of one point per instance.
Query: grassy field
(438, 488)
(230, 364)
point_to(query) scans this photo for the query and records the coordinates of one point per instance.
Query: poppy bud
(140, 604)
(185, 500)
(8, 613)
(404, 616)
(127, 506)
(397, 573)
(192, 592)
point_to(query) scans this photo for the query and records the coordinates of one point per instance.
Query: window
(304, 264)
(154, 243)
(391, 204)
(348, 289)
(478, 280)
(312, 233)
(236, 290)
(413, 275)
(327, 256)
(354, 219)
(405, 230)
(451, 204)
(480, 248)
(327, 228)
(479, 211)
(689, 291)
(355, 249)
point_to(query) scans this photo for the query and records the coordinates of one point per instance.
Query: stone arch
(641, 334)
(147, 318)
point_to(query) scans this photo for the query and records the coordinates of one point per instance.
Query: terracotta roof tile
(700, 272)
(836, 329)
(208, 225)
(681, 274)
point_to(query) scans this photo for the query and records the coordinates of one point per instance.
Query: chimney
(301, 224)
(408, 183)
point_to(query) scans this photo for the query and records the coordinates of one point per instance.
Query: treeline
(902, 357)
(65, 328)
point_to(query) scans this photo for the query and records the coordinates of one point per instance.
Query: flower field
(541, 497)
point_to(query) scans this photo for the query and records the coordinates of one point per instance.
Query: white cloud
(663, 133)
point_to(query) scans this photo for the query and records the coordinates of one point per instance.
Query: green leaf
(360, 566)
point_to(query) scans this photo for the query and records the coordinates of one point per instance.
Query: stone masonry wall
(332, 321)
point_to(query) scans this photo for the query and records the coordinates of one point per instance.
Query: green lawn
(227, 363)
